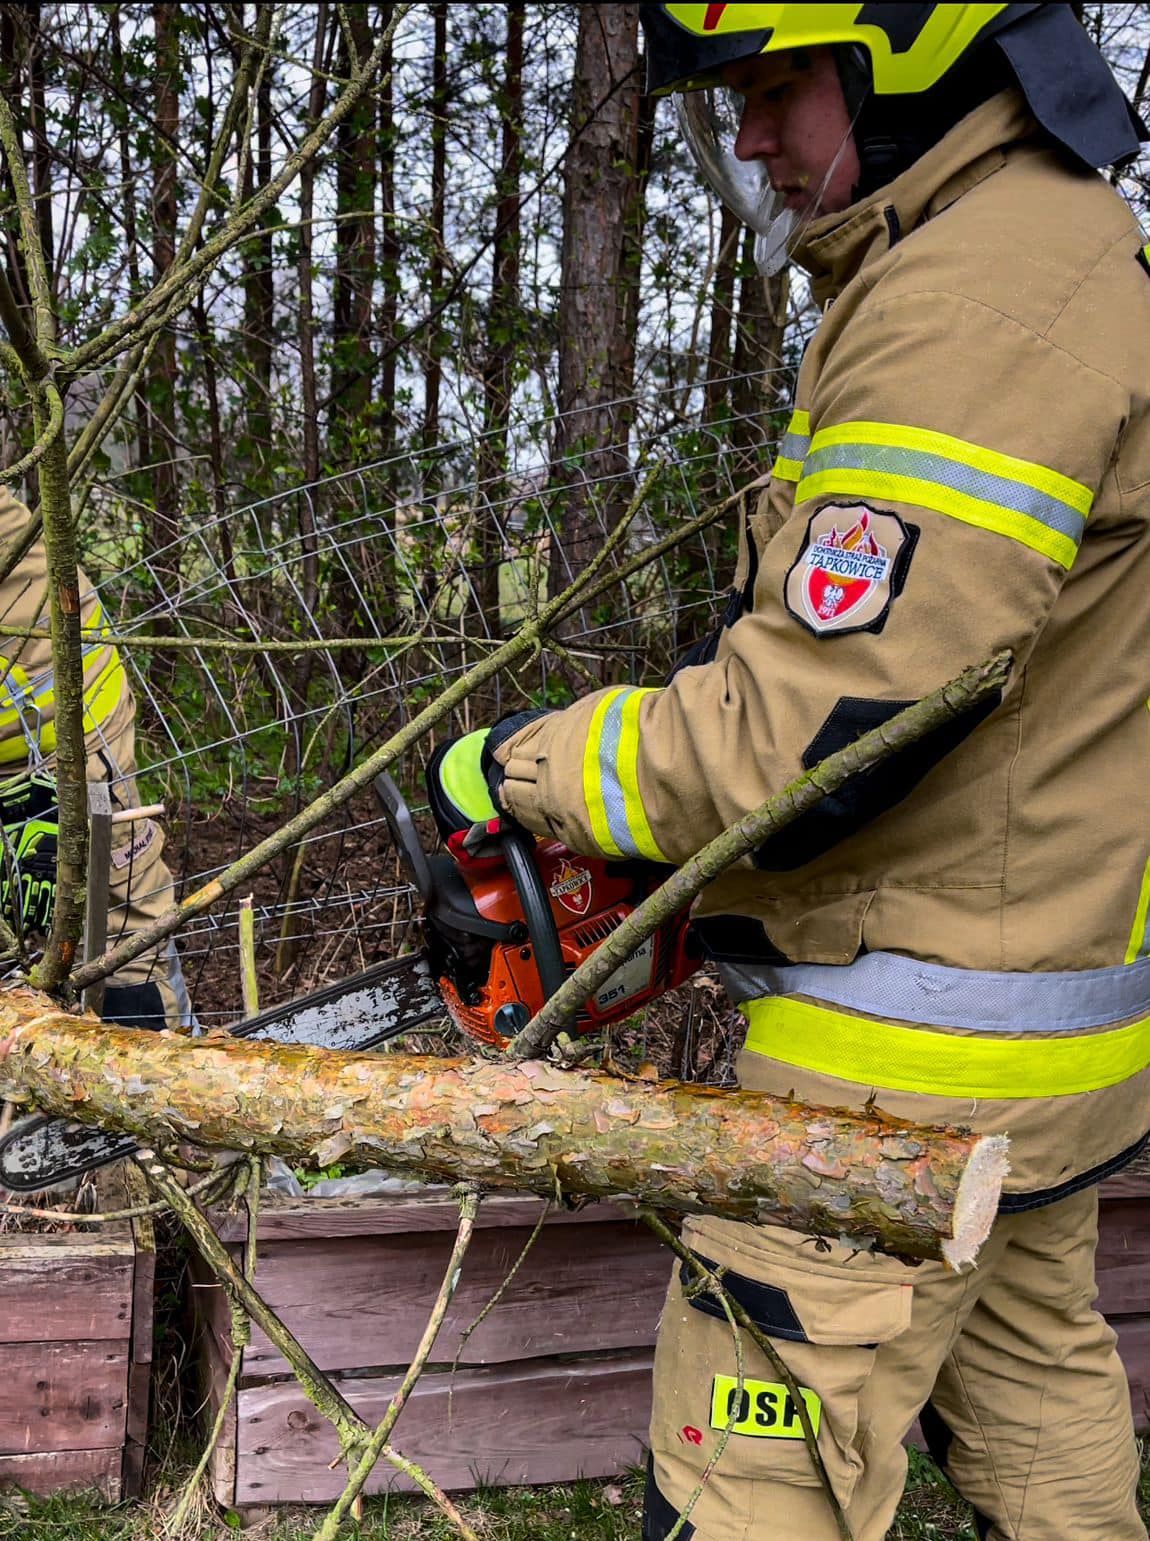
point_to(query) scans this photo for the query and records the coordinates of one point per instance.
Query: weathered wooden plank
(64, 1471)
(213, 1375)
(1134, 1346)
(62, 1396)
(551, 1422)
(209, 1304)
(65, 1288)
(139, 1389)
(285, 1218)
(1122, 1263)
(363, 1302)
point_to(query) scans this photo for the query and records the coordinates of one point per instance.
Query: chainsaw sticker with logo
(763, 1409)
(571, 885)
(852, 564)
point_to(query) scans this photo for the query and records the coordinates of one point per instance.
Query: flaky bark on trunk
(904, 1188)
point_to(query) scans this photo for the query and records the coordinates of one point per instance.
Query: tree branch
(34, 261)
(52, 428)
(353, 1433)
(329, 1530)
(530, 1126)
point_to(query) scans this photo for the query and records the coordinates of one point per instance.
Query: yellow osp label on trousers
(764, 1409)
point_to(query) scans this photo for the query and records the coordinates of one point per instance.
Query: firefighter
(963, 934)
(149, 992)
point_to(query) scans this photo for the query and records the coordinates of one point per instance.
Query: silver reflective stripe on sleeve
(971, 481)
(883, 984)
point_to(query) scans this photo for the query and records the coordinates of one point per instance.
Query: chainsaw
(506, 918)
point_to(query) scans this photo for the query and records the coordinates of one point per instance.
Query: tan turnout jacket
(967, 469)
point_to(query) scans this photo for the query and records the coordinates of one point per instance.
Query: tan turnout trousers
(1022, 1395)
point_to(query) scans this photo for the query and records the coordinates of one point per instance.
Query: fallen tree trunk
(529, 1126)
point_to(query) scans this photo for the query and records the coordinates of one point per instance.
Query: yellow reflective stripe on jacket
(24, 702)
(793, 448)
(914, 1059)
(1025, 501)
(611, 777)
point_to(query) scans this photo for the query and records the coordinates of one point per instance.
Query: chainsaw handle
(519, 853)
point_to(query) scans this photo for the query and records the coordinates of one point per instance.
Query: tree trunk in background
(389, 252)
(436, 234)
(493, 508)
(163, 526)
(41, 149)
(259, 290)
(353, 362)
(717, 386)
(309, 394)
(131, 227)
(602, 200)
(759, 329)
(15, 71)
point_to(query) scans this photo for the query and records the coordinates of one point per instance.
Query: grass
(584, 1511)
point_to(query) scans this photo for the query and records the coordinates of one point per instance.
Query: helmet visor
(709, 120)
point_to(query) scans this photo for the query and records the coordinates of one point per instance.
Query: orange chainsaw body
(590, 897)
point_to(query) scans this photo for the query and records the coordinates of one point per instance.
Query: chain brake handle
(491, 840)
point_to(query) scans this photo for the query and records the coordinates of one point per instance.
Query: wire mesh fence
(354, 602)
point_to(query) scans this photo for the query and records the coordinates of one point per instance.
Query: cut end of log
(976, 1204)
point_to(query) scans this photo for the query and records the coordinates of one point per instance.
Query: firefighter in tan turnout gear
(963, 934)
(149, 992)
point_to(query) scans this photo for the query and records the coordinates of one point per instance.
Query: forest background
(352, 334)
(408, 406)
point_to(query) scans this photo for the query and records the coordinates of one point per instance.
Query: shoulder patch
(1143, 255)
(852, 565)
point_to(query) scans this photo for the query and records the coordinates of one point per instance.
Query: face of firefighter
(795, 121)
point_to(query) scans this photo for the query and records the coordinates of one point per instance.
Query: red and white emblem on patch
(572, 887)
(845, 576)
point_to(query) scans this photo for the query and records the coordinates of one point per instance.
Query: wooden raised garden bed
(76, 1352)
(555, 1383)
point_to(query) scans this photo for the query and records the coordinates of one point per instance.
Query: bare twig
(468, 1209)
(707, 1280)
(206, 1187)
(714, 1283)
(241, 1335)
(52, 427)
(352, 1432)
(177, 286)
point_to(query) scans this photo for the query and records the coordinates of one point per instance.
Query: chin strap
(892, 132)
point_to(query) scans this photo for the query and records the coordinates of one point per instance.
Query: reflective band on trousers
(1025, 501)
(611, 778)
(915, 1059)
(793, 450)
